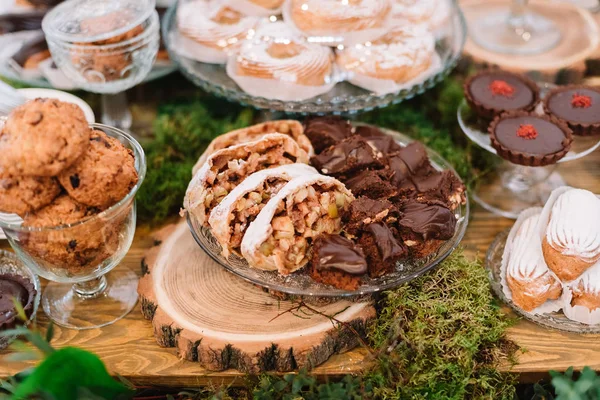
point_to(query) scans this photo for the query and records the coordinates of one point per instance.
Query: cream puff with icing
(429, 13)
(400, 56)
(571, 243)
(335, 22)
(209, 31)
(530, 281)
(257, 8)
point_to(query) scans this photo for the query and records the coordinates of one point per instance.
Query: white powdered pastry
(526, 261)
(402, 48)
(589, 282)
(574, 226)
(261, 229)
(257, 8)
(222, 215)
(267, 30)
(201, 190)
(581, 298)
(212, 25)
(430, 13)
(334, 22)
(306, 64)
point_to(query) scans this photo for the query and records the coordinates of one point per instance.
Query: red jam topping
(527, 132)
(502, 88)
(581, 101)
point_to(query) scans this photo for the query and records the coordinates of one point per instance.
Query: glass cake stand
(555, 320)
(512, 188)
(344, 98)
(301, 284)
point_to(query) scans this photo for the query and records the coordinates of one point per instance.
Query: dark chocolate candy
(18, 288)
(337, 252)
(351, 154)
(324, 132)
(430, 220)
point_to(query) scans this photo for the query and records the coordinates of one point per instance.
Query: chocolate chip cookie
(42, 137)
(70, 250)
(22, 195)
(103, 175)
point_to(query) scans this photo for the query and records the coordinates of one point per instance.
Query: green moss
(445, 337)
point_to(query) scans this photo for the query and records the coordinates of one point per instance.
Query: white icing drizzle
(574, 226)
(589, 282)
(431, 13)
(195, 20)
(402, 47)
(260, 229)
(311, 63)
(526, 261)
(336, 16)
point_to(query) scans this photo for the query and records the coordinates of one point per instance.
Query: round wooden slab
(222, 321)
(563, 64)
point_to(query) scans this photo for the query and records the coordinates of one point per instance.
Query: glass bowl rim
(35, 281)
(125, 45)
(140, 158)
(51, 32)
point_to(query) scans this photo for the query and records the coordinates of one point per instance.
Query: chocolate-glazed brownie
(324, 132)
(338, 262)
(346, 157)
(382, 248)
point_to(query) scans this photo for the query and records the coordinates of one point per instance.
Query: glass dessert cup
(514, 30)
(77, 258)
(100, 63)
(512, 188)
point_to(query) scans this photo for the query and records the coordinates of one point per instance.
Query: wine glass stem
(115, 111)
(516, 18)
(90, 289)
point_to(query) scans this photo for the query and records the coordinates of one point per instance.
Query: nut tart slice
(230, 219)
(227, 168)
(280, 237)
(287, 127)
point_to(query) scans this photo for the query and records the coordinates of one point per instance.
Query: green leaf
(50, 332)
(65, 371)
(40, 342)
(23, 356)
(20, 310)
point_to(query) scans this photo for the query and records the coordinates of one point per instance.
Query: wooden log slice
(221, 321)
(566, 63)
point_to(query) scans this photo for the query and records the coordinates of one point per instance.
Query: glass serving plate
(344, 98)
(556, 320)
(300, 283)
(12, 41)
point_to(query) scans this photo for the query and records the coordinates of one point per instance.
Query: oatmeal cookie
(71, 250)
(103, 175)
(21, 195)
(42, 137)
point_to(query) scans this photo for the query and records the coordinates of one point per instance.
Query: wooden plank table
(128, 347)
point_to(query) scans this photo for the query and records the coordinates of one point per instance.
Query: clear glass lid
(86, 21)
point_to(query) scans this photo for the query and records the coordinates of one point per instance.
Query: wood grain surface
(129, 348)
(220, 321)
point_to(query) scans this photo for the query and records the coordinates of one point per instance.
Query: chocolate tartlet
(577, 106)
(530, 139)
(490, 93)
(13, 287)
(338, 262)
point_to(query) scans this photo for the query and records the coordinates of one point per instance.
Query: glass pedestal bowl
(77, 257)
(512, 188)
